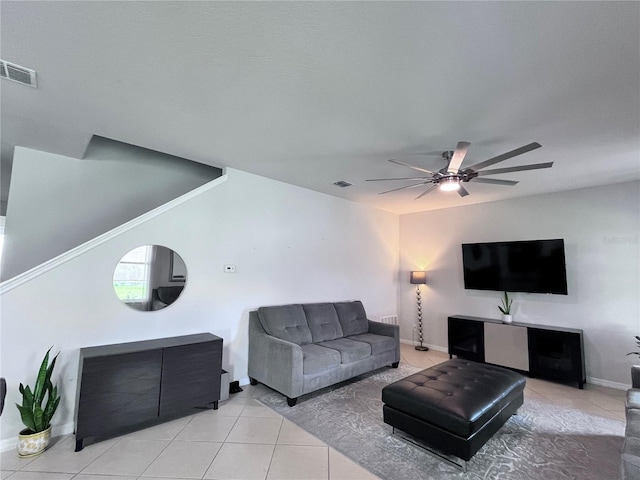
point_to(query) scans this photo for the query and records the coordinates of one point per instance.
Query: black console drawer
(556, 354)
(466, 339)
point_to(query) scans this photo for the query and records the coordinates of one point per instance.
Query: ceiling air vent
(19, 74)
(342, 183)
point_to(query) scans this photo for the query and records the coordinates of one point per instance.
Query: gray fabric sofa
(297, 349)
(631, 451)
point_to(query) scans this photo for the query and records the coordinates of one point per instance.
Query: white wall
(57, 202)
(288, 244)
(601, 230)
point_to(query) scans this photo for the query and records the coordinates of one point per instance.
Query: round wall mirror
(150, 277)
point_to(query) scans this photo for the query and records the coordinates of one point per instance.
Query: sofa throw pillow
(323, 321)
(353, 318)
(287, 322)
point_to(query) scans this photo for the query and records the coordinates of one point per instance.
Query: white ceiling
(314, 92)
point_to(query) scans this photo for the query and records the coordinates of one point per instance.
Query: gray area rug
(542, 441)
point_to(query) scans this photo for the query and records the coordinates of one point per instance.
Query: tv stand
(538, 350)
(128, 386)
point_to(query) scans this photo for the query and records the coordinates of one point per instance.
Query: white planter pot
(30, 445)
(507, 318)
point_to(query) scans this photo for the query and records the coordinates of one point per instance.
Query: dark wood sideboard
(128, 386)
(539, 350)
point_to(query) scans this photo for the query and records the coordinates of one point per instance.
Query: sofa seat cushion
(286, 322)
(353, 318)
(631, 458)
(632, 428)
(379, 343)
(316, 359)
(323, 321)
(633, 398)
(350, 350)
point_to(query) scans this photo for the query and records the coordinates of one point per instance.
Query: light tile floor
(244, 440)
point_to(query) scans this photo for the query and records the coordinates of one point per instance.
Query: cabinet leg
(79, 445)
(215, 405)
(253, 381)
(292, 401)
(581, 385)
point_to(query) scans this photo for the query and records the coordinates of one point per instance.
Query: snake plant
(35, 416)
(505, 308)
(637, 343)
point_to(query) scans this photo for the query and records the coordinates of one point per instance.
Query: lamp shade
(419, 277)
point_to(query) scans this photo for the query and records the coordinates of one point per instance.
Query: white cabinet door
(506, 345)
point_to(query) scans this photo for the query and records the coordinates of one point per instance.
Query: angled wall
(57, 202)
(288, 245)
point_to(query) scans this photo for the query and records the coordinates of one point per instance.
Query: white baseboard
(607, 383)
(431, 347)
(57, 431)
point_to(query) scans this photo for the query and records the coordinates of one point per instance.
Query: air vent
(19, 74)
(392, 319)
(342, 183)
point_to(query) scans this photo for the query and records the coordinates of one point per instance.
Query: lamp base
(422, 348)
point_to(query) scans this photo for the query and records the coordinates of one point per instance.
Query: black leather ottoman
(454, 407)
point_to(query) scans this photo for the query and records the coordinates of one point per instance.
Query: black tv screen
(534, 266)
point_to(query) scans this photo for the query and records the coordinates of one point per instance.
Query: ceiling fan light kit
(450, 184)
(451, 177)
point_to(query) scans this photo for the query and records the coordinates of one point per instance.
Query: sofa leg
(253, 381)
(292, 401)
(395, 364)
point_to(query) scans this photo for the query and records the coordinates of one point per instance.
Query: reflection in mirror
(150, 277)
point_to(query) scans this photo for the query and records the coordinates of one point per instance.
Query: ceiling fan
(451, 177)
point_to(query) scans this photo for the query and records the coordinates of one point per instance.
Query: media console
(128, 386)
(538, 350)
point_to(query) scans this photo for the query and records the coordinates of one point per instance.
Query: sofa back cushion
(352, 317)
(287, 322)
(323, 321)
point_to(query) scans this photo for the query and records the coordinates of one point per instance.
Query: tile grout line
(222, 444)
(274, 448)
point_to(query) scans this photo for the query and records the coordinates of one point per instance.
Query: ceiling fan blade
(385, 179)
(505, 156)
(494, 181)
(458, 157)
(521, 168)
(402, 188)
(393, 160)
(462, 191)
(427, 191)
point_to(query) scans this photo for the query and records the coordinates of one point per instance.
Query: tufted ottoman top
(459, 396)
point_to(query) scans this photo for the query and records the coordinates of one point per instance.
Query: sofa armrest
(275, 362)
(388, 330)
(635, 376)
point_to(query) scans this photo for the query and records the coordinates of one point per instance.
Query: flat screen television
(534, 266)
